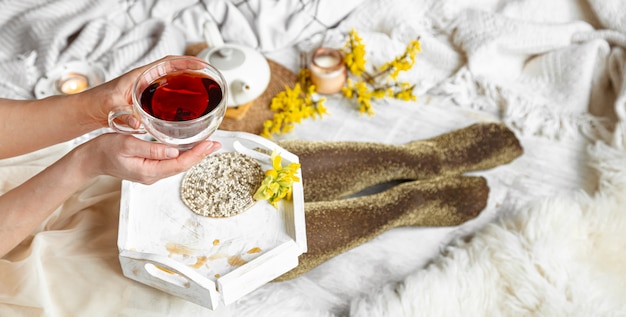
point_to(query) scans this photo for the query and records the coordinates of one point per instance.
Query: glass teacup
(179, 101)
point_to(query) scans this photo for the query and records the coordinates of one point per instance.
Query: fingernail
(212, 147)
(171, 152)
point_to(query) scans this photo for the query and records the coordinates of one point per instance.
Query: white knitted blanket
(550, 243)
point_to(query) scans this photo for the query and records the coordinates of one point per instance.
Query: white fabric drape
(552, 70)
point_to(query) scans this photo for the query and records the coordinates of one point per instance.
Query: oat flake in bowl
(221, 185)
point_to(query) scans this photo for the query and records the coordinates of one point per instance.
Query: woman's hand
(116, 155)
(130, 158)
(114, 94)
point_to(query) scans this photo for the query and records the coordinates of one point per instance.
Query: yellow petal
(271, 174)
(276, 160)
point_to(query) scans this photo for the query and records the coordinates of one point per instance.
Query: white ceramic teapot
(247, 72)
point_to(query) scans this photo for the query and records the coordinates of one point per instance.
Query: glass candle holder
(328, 71)
(72, 83)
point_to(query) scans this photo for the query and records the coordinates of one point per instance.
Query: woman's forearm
(25, 207)
(29, 125)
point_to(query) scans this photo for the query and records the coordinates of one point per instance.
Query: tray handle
(241, 137)
(170, 276)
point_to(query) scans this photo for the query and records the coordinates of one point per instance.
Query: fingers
(190, 63)
(122, 118)
(149, 150)
(159, 151)
(183, 161)
(148, 162)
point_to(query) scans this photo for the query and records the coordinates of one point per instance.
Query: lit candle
(72, 83)
(328, 72)
(326, 61)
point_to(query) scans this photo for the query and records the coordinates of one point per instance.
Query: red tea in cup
(179, 101)
(181, 96)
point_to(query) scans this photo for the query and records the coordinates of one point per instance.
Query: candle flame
(72, 83)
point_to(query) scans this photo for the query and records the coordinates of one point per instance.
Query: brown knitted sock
(333, 170)
(334, 227)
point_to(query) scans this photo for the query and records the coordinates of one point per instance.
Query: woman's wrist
(88, 106)
(73, 111)
(100, 100)
(83, 162)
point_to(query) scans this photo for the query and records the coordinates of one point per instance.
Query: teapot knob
(225, 52)
(239, 91)
(240, 86)
(212, 35)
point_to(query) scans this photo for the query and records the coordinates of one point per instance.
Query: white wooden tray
(209, 261)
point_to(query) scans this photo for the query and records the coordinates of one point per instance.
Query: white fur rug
(562, 256)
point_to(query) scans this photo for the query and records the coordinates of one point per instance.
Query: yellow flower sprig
(293, 105)
(354, 53)
(403, 62)
(363, 94)
(367, 86)
(278, 181)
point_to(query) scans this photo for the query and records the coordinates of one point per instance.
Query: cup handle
(123, 128)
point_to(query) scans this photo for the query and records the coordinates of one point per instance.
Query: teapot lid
(227, 58)
(247, 71)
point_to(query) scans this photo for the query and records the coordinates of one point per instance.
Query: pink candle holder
(328, 71)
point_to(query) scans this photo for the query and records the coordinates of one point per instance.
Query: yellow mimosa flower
(278, 181)
(354, 53)
(381, 84)
(293, 105)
